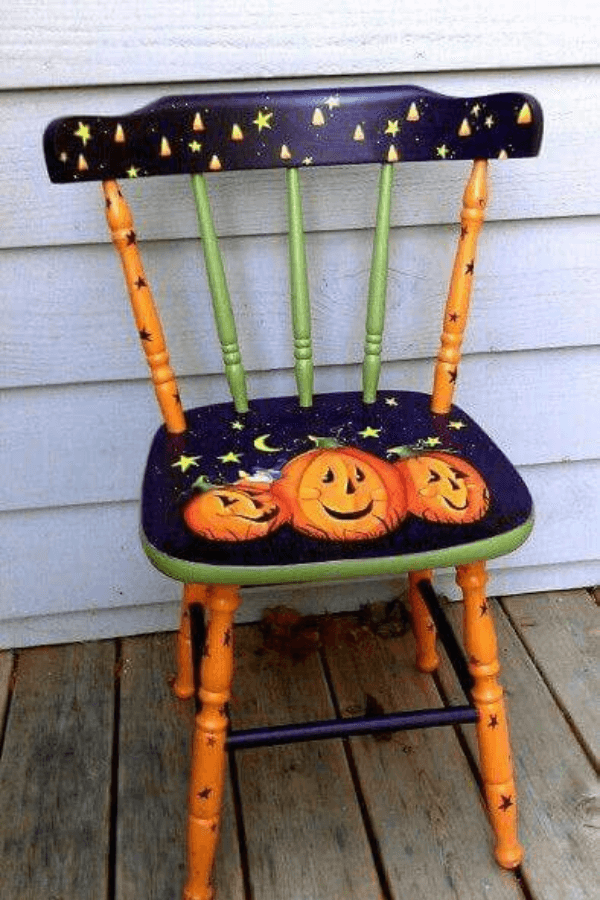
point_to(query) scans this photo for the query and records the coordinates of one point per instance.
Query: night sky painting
(223, 132)
(222, 447)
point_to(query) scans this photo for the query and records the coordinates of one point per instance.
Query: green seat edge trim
(202, 573)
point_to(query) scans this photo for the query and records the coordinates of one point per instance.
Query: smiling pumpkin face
(342, 494)
(443, 488)
(234, 512)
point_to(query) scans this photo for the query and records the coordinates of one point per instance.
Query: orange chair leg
(492, 727)
(423, 627)
(184, 683)
(209, 758)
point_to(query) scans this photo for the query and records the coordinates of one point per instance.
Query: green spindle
(377, 287)
(300, 302)
(221, 300)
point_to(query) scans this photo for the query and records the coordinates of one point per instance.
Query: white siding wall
(70, 365)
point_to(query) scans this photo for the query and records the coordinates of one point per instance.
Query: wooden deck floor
(93, 771)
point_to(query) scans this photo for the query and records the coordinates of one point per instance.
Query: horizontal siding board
(53, 45)
(96, 624)
(520, 300)
(69, 445)
(551, 185)
(88, 558)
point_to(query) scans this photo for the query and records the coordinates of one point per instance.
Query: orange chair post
(423, 626)
(120, 222)
(208, 755)
(184, 683)
(459, 295)
(492, 727)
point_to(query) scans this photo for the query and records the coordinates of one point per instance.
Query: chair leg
(423, 626)
(209, 758)
(184, 683)
(492, 727)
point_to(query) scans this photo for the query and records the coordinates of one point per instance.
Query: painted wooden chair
(299, 489)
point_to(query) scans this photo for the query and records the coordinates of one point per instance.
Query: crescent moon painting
(261, 444)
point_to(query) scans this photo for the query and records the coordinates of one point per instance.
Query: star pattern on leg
(493, 721)
(227, 638)
(211, 740)
(484, 608)
(140, 283)
(145, 335)
(506, 802)
(130, 237)
(205, 793)
(470, 268)
(452, 375)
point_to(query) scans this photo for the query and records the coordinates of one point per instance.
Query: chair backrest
(199, 134)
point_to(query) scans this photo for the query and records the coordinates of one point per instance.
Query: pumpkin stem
(203, 484)
(421, 448)
(324, 443)
(404, 451)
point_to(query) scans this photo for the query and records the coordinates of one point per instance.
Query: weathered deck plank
(561, 631)
(556, 785)
(303, 825)
(154, 760)
(55, 775)
(303, 822)
(422, 797)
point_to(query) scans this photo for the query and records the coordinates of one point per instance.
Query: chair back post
(120, 223)
(299, 294)
(221, 300)
(457, 305)
(377, 286)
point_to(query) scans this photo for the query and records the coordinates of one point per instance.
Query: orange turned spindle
(423, 626)
(120, 222)
(459, 294)
(209, 757)
(184, 683)
(492, 727)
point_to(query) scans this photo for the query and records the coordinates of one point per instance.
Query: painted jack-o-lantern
(342, 493)
(234, 512)
(441, 487)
